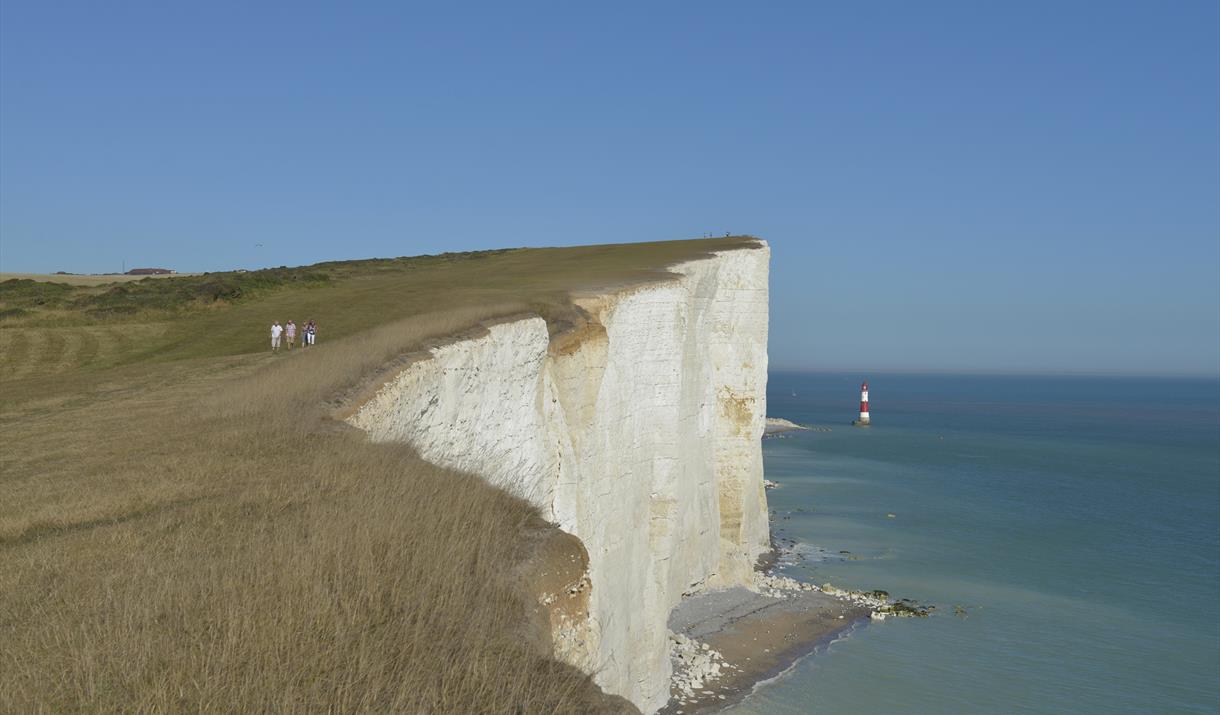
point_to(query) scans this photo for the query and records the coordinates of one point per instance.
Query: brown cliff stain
(730, 509)
(739, 411)
(573, 337)
(578, 356)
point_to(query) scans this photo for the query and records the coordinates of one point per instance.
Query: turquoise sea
(1075, 520)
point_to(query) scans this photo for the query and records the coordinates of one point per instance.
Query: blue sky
(945, 186)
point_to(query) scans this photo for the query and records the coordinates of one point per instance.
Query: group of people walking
(288, 333)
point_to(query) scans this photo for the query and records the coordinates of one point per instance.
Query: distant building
(149, 272)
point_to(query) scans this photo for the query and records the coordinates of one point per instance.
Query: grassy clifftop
(47, 327)
(182, 527)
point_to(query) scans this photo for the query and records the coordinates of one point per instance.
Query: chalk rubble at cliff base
(723, 642)
(726, 641)
(878, 602)
(695, 665)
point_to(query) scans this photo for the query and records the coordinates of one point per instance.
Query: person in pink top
(290, 333)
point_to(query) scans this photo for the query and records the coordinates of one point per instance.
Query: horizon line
(997, 372)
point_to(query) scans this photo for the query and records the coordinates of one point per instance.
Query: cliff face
(639, 434)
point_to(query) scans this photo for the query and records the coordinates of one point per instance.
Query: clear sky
(1017, 186)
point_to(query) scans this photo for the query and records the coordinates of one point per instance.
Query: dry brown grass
(200, 535)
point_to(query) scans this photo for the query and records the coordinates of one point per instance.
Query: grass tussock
(186, 528)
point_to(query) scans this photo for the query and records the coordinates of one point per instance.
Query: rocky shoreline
(722, 643)
(778, 428)
(779, 425)
(725, 642)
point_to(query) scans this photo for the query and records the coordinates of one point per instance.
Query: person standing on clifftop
(276, 329)
(290, 332)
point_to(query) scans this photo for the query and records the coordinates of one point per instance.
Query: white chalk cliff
(639, 433)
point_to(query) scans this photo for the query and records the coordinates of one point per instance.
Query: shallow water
(1075, 520)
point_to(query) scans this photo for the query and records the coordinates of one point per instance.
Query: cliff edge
(638, 432)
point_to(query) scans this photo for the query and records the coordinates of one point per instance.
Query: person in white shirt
(276, 330)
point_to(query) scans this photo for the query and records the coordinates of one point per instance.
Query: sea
(1067, 530)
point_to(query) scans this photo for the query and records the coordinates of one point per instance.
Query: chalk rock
(639, 432)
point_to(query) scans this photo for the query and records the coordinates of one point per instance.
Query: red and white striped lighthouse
(863, 404)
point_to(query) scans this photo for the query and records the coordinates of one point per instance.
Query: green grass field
(184, 527)
(85, 280)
